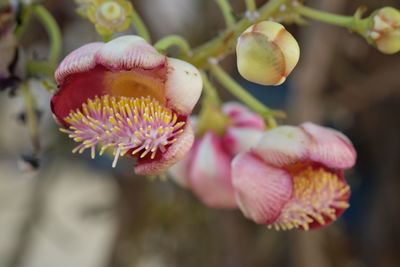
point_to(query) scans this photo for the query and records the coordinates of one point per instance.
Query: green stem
(251, 5)
(226, 10)
(211, 117)
(31, 117)
(243, 95)
(53, 32)
(26, 15)
(353, 23)
(140, 26)
(173, 40)
(39, 67)
(210, 92)
(224, 43)
(339, 20)
(106, 38)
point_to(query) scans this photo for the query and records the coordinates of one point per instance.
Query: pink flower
(125, 96)
(206, 169)
(293, 177)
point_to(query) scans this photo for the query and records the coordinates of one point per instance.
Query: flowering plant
(126, 96)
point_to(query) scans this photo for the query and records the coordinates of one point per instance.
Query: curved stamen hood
(125, 96)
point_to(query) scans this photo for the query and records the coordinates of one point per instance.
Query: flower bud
(107, 15)
(385, 30)
(266, 53)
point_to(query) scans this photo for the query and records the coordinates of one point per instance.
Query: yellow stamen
(124, 124)
(317, 195)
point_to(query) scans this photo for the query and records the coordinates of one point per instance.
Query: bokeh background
(73, 211)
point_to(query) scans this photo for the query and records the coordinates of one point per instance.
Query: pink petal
(79, 60)
(174, 153)
(261, 190)
(128, 52)
(183, 85)
(330, 147)
(283, 145)
(179, 172)
(240, 139)
(241, 116)
(210, 174)
(76, 89)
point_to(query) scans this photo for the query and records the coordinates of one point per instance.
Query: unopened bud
(108, 15)
(111, 11)
(266, 53)
(385, 30)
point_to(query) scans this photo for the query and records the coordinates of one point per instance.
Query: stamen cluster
(317, 194)
(137, 126)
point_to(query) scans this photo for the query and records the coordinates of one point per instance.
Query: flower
(293, 178)
(206, 169)
(125, 96)
(385, 30)
(266, 53)
(108, 16)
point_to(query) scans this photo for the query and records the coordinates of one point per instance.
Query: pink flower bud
(206, 169)
(293, 178)
(125, 96)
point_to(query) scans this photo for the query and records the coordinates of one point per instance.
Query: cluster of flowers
(286, 177)
(125, 97)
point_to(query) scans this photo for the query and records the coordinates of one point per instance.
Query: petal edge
(79, 60)
(183, 85)
(261, 190)
(330, 147)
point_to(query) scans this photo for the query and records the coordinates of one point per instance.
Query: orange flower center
(134, 84)
(317, 195)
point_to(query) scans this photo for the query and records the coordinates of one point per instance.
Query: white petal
(127, 52)
(183, 85)
(241, 139)
(283, 145)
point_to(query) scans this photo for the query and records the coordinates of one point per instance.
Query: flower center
(111, 11)
(317, 195)
(138, 126)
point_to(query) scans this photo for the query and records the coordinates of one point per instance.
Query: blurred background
(73, 211)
